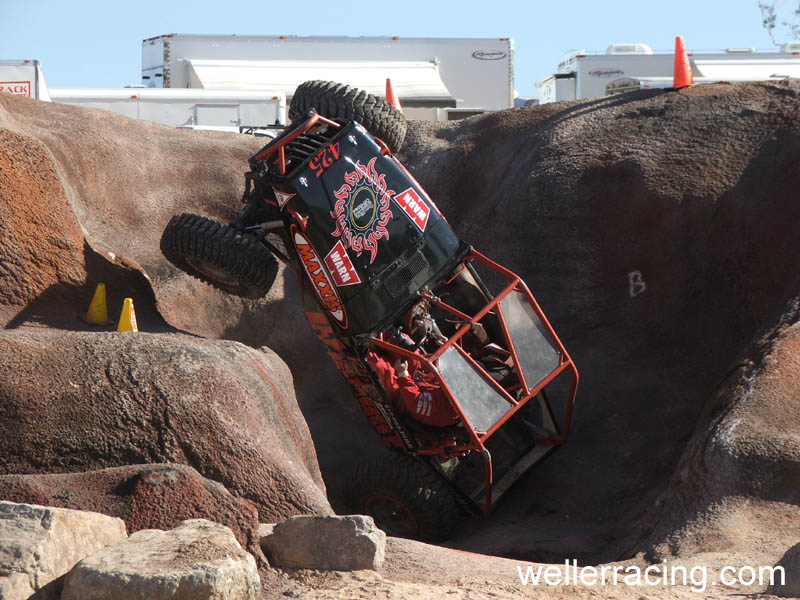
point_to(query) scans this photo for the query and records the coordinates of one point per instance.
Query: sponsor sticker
(18, 88)
(320, 280)
(606, 72)
(341, 267)
(362, 209)
(282, 197)
(489, 54)
(414, 207)
(327, 156)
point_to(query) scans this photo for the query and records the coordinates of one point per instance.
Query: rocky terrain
(656, 228)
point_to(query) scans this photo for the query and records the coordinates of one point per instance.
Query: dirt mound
(86, 401)
(144, 496)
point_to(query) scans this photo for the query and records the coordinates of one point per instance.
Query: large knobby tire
(219, 255)
(340, 101)
(404, 497)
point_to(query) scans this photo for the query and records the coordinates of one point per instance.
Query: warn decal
(341, 267)
(414, 207)
(320, 280)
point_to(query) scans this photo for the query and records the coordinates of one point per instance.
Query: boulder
(40, 544)
(224, 409)
(198, 560)
(790, 586)
(154, 496)
(742, 464)
(339, 543)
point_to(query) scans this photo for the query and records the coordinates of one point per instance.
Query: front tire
(340, 101)
(219, 255)
(404, 497)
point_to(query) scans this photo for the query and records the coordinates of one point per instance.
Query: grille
(397, 283)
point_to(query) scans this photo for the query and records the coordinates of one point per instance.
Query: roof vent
(629, 49)
(791, 47)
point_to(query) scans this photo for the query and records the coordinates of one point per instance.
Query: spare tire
(219, 255)
(340, 101)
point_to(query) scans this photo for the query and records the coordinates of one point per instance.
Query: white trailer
(192, 108)
(23, 78)
(624, 66)
(434, 78)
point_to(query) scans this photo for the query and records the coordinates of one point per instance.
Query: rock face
(223, 408)
(39, 544)
(790, 563)
(746, 449)
(347, 543)
(656, 230)
(154, 496)
(199, 560)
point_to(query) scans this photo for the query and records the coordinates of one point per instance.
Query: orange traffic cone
(683, 70)
(390, 96)
(127, 320)
(98, 308)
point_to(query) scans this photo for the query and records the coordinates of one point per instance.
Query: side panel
(477, 71)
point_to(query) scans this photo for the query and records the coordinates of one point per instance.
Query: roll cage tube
(278, 144)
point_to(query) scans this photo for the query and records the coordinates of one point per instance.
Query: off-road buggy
(383, 274)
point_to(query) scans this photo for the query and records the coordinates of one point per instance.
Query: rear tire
(404, 497)
(340, 101)
(219, 255)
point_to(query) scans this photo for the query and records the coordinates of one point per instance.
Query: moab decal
(320, 280)
(362, 209)
(414, 207)
(341, 267)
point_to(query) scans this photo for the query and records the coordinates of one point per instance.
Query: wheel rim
(392, 515)
(213, 271)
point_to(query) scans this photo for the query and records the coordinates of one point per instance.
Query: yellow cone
(98, 309)
(127, 320)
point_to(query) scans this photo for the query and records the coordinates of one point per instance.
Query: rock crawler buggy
(383, 274)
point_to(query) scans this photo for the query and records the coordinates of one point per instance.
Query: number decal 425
(325, 159)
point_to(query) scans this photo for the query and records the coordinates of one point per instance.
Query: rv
(434, 78)
(622, 67)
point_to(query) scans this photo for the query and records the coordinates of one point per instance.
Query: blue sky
(98, 43)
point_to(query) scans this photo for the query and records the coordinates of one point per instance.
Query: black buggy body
(384, 275)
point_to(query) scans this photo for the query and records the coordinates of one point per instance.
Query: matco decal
(320, 280)
(414, 207)
(18, 88)
(362, 209)
(341, 267)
